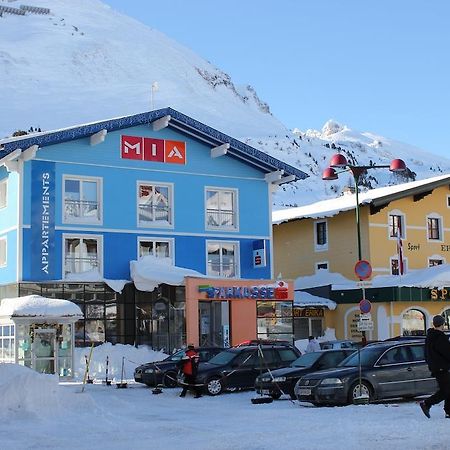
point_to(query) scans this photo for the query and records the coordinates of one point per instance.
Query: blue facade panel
(8, 273)
(119, 229)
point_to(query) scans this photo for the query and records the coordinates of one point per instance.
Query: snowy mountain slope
(85, 62)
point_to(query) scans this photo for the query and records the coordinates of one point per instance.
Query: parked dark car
(338, 344)
(280, 381)
(238, 367)
(262, 342)
(165, 372)
(389, 370)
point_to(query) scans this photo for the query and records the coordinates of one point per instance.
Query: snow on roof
(149, 272)
(321, 278)
(95, 276)
(346, 202)
(305, 300)
(37, 306)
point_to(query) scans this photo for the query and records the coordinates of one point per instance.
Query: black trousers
(190, 382)
(443, 393)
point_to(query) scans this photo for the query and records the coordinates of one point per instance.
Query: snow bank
(23, 390)
(133, 358)
(328, 335)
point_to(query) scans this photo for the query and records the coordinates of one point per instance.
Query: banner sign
(259, 253)
(154, 150)
(43, 221)
(270, 292)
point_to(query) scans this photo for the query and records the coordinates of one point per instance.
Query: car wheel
(170, 380)
(214, 386)
(275, 395)
(366, 390)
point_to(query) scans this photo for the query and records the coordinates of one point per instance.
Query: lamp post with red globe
(339, 164)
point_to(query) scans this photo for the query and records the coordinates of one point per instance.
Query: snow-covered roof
(321, 278)
(237, 149)
(305, 300)
(37, 306)
(346, 202)
(149, 272)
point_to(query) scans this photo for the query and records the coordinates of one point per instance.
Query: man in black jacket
(437, 355)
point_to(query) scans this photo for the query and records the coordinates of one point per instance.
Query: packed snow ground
(53, 416)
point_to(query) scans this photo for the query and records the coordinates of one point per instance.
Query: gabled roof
(375, 197)
(179, 121)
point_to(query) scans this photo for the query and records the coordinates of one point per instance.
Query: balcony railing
(77, 264)
(81, 209)
(154, 213)
(225, 270)
(216, 218)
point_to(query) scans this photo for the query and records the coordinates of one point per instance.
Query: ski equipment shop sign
(43, 221)
(152, 150)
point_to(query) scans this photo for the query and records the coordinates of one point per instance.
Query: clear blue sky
(375, 65)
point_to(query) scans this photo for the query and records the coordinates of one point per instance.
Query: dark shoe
(425, 409)
(447, 416)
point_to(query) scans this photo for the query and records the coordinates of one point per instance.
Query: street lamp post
(339, 161)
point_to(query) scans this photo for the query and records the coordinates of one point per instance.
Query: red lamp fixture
(397, 165)
(339, 161)
(329, 174)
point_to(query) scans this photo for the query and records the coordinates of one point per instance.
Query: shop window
(446, 315)
(155, 205)
(3, 193)
(82, 254)
(274, 320)
(307, 326)
(396, 226)
(221, 209)
(321, 235)
(413, 323)
(223, 259)
(434, 228)
(82, 200)
(3, 246)
(7, 343)
(160, 248)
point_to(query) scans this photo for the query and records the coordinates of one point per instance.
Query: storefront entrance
(214, 324)
(44, 345)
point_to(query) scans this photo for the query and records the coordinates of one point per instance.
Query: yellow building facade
(324, 236)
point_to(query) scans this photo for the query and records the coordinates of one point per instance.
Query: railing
(77, 264)
(154, 213)
(81, 209)
(220, 219)
(226, 270)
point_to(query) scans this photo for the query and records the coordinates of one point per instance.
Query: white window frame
(320, 263)
(441, 227)
(99, 239)
(84, 220)
(4, 243)
(4, 188)
(156, 224)
(320, 247)
(436, 258)
(154, 239)
(405, 265)
(237, 256)
(235, 193)
(402, 215)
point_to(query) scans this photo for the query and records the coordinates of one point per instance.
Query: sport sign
(153, 150)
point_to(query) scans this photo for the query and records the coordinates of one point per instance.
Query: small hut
(38, 332)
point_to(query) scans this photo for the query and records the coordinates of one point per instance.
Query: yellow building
(323, 236)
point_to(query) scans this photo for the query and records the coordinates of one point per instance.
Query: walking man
(437, 355)
(189, 369)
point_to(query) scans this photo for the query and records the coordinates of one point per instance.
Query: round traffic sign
(363, 269)
(365, 306)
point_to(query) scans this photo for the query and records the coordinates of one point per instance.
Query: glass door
(44, 351)
(214, 324)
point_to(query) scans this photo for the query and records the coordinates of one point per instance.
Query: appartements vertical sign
(43, 220)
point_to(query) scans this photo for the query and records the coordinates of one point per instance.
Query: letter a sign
(175, 152)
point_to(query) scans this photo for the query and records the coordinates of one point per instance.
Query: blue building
(95, 197)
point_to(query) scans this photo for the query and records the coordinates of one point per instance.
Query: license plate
(265, 392)
(137, 376)
(304, 392)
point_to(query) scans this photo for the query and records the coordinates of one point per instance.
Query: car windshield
(306, 360)
(223, 358)
(176, 356)
(368, 355)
